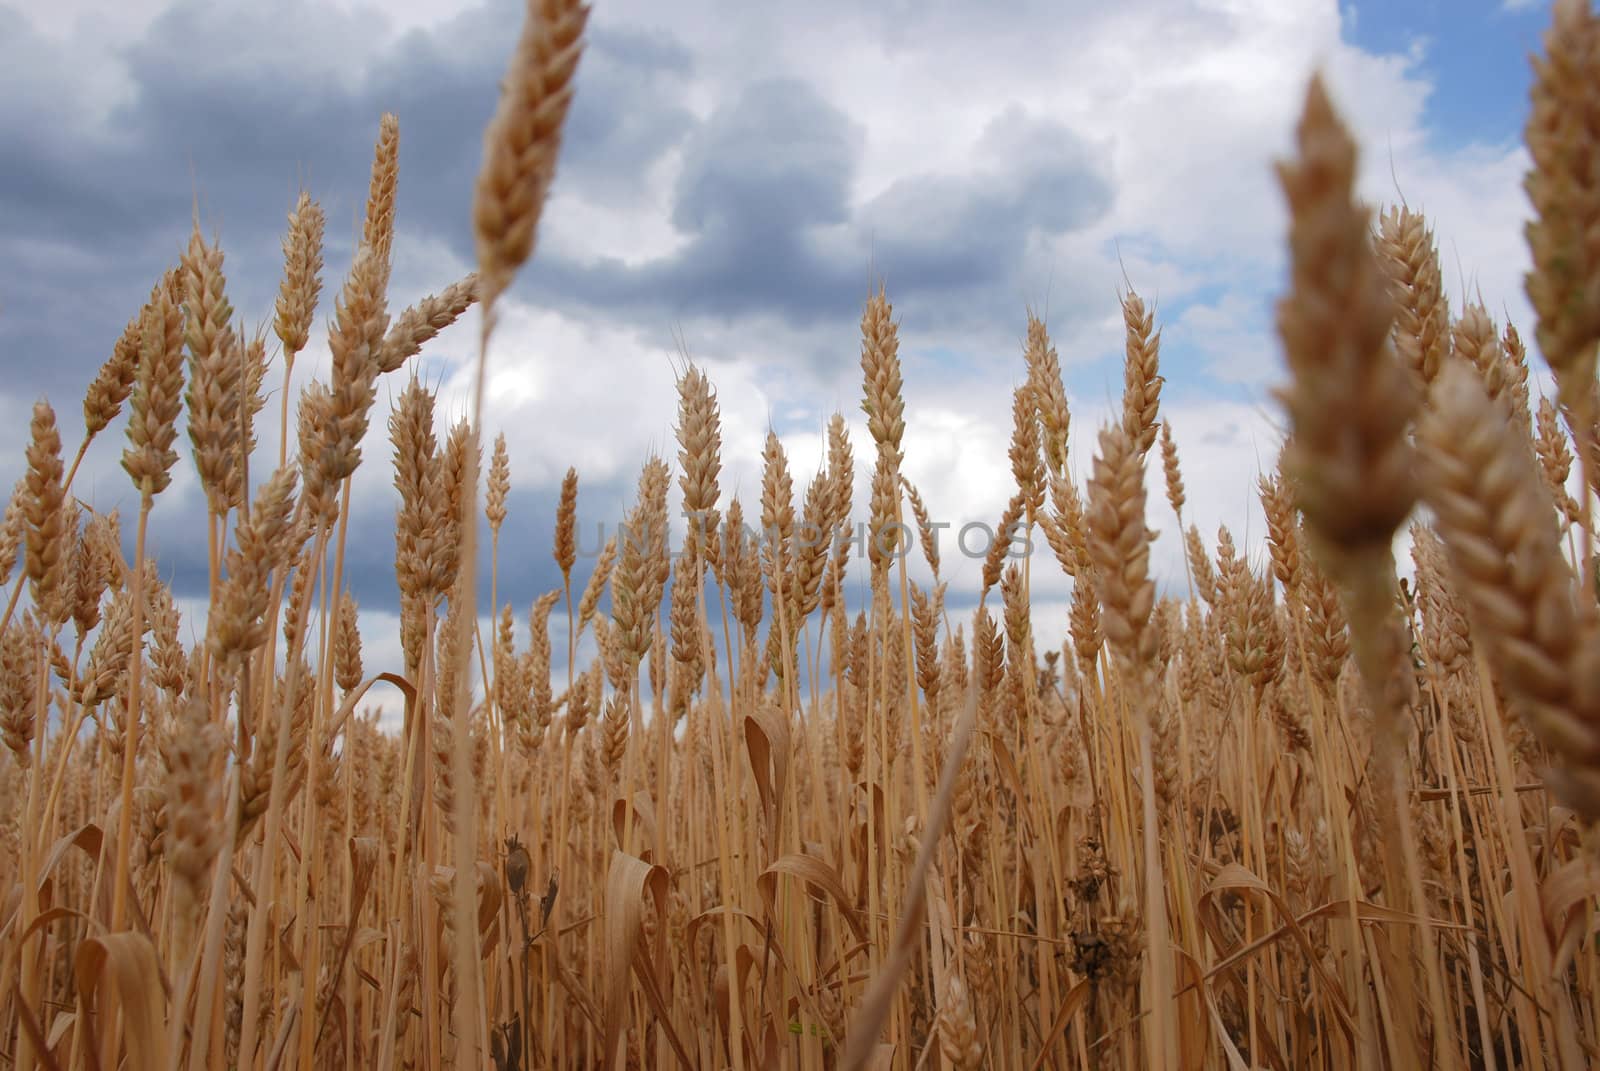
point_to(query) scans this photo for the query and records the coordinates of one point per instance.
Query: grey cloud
(951, 233)
(759, 179)
(765, 195)
(237, 105)
(779, 137)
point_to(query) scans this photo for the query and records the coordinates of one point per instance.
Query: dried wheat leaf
(766, 738)
(128, 961)
(816, 873)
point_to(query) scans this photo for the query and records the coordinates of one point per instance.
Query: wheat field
(1330, 809)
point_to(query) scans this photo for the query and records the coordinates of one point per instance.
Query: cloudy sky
(736, 176)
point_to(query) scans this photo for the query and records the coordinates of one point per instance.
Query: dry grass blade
(628, 882)
(125, 964)
(862, 1042)
(814, 872)
(766, 737)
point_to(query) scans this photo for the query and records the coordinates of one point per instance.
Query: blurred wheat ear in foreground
(1323, 810)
